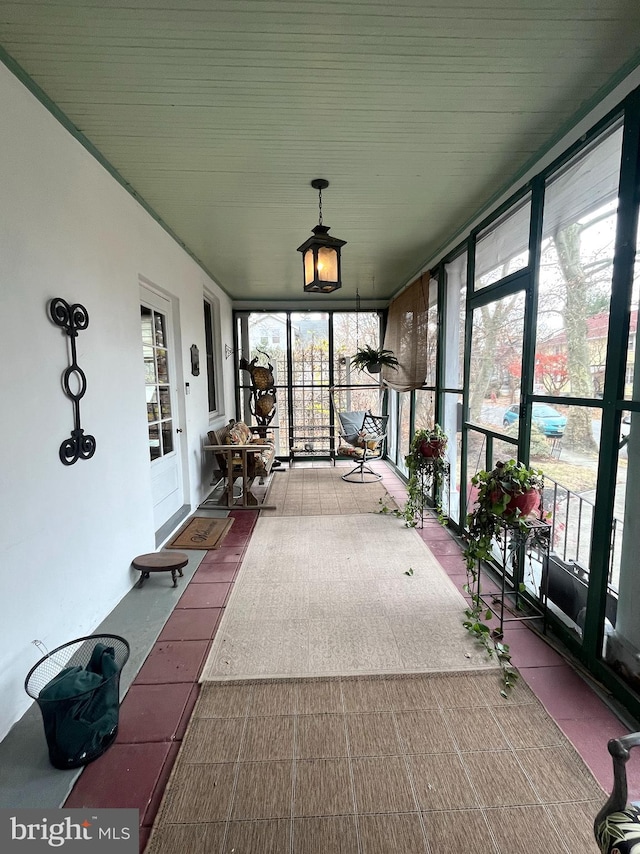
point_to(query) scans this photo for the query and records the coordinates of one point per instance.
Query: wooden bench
(247, 457)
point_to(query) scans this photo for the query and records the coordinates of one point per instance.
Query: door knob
(178, 429)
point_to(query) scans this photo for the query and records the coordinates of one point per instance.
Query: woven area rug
(322, 595)
(201, 532)
(423, 764)
(322, 492)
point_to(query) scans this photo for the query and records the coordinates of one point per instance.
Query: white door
(160, 392)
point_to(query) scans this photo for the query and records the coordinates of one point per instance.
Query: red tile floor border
(157, 707)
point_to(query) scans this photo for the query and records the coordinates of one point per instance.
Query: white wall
(68, 533)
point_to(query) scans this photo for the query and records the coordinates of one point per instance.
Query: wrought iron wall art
(73, 319)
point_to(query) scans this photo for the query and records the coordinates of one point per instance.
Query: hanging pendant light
(321, 254)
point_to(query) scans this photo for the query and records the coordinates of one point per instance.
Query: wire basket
(79, 724)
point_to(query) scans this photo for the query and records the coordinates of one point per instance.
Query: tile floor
(158, 705)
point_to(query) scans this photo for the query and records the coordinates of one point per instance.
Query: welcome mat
(201, 532)
(379, 764)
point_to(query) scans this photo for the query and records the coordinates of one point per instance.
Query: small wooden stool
(160, 562)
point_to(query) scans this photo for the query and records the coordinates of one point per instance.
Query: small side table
(160, 562)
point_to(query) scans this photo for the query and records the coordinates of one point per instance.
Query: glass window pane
(146, 325)
(165, 403)
(631, 389)
(159, 327)
(496, 358)
(503, 248)
(154, 441)
(570, 464)
(425, 410)
(163, 369)
(404, 425)
(210, 356)
(158, 400)
(621, 647)
(167, 437)
(149, 365)
(456, 286)
(432, 333)
(576, 265)
(451, 422)
(310, 356)
(503, 451)
(327, 264)
(352, 330)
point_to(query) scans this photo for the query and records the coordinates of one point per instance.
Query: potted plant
(372, 360)
(511, 492)
(430, 443)
(427, 466)
(508, 493)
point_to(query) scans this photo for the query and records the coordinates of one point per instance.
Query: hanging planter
(369, 359)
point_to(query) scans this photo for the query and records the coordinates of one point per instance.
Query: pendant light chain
(320, 204)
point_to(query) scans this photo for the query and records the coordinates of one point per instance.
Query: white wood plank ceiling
(220, 112)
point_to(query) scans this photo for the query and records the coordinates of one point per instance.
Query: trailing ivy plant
(493, 507)
(434, 467)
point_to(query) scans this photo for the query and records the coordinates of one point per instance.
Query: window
(211, 365)
(156, 379)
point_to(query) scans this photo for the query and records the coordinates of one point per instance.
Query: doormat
(201, 532)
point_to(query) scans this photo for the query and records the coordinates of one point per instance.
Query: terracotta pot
(525, 502)
(432, 448)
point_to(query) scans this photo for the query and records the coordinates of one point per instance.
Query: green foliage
(490, 640)
(368, 356)
(416, 465)
(495, 490)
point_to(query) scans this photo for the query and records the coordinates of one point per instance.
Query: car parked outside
(545, 417)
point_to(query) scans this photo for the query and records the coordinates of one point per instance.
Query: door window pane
(159, 326)
(156, 374)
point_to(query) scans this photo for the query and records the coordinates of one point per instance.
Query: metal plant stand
(518, 542)
(434, 475)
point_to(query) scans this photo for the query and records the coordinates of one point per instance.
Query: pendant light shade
(321, 254)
